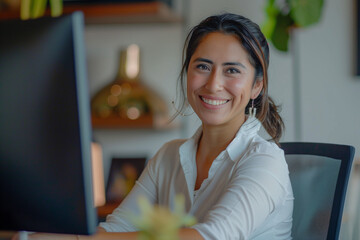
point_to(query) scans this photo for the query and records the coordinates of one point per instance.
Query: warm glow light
(115, 90)
(98, 175)
(133, 58)
(133, 113)
(112, 100)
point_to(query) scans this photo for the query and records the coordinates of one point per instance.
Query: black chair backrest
(319, 175)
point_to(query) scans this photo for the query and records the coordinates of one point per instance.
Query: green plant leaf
(269, 24)
(281, 34)
(38, 8)
(56, 7)
(25, 9)
(305, 12)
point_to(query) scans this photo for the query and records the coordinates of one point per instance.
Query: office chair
(319, 175)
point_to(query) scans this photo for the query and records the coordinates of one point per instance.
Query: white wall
(330, 89)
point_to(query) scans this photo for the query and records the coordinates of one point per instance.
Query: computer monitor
(45, 129)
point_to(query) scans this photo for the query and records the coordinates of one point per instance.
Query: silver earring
(252, 109)
(179, 112)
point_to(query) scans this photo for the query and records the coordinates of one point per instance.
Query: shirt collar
(237, 146)
(243, 138)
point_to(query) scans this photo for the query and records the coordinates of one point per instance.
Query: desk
(6, 235)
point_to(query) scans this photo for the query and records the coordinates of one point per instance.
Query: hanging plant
(36, 8)
(282, 16)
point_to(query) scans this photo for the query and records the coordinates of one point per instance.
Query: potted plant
(282, 17)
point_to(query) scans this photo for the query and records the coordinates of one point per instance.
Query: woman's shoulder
(167, 153)
(171, 146)
(261, 145)
(265, 158)
(265, 154)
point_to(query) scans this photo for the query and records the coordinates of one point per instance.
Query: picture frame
(123, 175)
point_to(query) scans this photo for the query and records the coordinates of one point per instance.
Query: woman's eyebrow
(203, 60)
(224, 64)
(234, 63)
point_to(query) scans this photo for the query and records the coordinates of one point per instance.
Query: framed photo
(122, 177)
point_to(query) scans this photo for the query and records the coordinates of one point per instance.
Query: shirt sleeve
(256, 188)
(118, 220)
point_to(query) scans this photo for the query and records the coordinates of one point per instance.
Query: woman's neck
(215, 139)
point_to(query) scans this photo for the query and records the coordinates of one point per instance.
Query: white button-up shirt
(247, 194)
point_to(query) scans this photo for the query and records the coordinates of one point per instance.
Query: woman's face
(220, 80)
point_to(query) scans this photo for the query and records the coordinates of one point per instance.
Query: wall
(330, 89)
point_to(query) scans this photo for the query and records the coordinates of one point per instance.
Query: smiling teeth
(214, 102)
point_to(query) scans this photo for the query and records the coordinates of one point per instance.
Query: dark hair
(257, 48)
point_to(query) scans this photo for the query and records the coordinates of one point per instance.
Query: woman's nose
(214, 82)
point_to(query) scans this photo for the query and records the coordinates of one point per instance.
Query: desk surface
(6, 235)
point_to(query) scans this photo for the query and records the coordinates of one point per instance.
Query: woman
(235, 183)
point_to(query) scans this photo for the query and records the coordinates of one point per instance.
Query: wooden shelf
(144, 122)
(147, 12)
(116, 122)
(110, 13)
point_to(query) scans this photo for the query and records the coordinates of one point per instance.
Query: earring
(252, 109)
(179, 112)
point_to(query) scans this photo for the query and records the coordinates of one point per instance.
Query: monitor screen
(45, 129)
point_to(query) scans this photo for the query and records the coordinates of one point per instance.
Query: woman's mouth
(213, 102)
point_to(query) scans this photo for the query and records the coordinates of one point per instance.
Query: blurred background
(315, 81)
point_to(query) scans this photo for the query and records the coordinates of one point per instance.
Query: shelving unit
(145, 122)
(115, 13)
(147, 12)
(117, 122)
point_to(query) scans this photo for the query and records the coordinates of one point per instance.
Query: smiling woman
(237, 183)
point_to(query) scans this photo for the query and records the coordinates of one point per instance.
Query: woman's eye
(232, 70)
(203, 67)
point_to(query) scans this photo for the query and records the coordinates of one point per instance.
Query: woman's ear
(258, 86)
